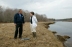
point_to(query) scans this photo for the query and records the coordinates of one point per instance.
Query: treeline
(51, 19)
(7, 15)
(66, 19)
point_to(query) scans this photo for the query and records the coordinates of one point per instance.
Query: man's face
(20, 11)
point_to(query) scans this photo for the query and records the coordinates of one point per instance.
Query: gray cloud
(52, 8)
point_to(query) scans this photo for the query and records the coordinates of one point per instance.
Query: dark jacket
(18, 19)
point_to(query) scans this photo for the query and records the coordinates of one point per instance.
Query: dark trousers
(19, 28)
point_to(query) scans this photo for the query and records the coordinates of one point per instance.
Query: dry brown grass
(45, 38)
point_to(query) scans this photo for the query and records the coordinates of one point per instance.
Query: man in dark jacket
(18, 21)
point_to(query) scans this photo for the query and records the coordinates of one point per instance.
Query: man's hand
(23, 23)
(15, 24)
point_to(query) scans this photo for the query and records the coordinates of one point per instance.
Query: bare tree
(7, 15)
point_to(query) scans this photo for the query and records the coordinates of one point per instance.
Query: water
(63, 28)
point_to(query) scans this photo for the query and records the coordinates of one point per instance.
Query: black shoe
(15, 38)
(20, 37)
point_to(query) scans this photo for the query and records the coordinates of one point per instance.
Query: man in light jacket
(33, 23)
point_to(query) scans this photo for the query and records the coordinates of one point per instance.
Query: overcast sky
(52, 8)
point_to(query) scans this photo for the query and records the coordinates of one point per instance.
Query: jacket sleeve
(35, 19)
(15, 18)
(23, 20)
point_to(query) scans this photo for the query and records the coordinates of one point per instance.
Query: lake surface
(63, 28)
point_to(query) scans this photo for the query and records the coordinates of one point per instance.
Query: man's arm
(35, 19)
(23, 20)
(15, 18)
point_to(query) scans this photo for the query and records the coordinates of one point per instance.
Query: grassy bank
(45, 38)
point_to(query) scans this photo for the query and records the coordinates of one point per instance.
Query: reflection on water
(63, 28)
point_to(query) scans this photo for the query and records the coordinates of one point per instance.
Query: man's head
(20, 11)
(31, 13)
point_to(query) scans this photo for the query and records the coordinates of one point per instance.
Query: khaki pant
(33, 30)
